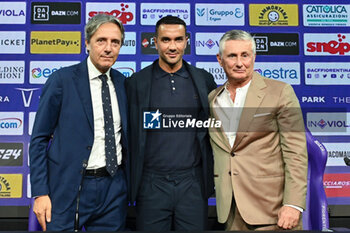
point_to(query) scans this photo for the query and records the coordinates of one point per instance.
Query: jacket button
(88, 147)
(229, 173)
(232, 154)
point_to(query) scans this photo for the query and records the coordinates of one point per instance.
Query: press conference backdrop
(305, 44)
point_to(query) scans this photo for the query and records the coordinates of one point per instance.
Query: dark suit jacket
(138, 88)
(63, 133)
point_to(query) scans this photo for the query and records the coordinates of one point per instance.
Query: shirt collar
(94, 72)
(160, 73)
(244, 88)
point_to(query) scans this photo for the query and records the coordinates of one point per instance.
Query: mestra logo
(288, 72)
(36, 73)
(40, 71)
(327, 44)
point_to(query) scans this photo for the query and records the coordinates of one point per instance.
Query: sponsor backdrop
(304, 44)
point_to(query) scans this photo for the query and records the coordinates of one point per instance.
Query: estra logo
(40, 71)
(125, 12)
(330, 44)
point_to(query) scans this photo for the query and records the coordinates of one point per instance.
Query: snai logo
(332, 47)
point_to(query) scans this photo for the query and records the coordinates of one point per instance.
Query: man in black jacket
(172, 167)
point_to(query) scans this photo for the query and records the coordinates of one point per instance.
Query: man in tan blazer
(260, 156)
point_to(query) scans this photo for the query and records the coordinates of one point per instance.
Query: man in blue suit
(78, 149)
(172, 169)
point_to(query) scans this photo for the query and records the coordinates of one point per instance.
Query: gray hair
(99, 19)
(236, 35)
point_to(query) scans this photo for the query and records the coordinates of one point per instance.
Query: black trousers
(171, 201)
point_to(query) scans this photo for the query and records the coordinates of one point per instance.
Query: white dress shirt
(97, 157)
(229, 112)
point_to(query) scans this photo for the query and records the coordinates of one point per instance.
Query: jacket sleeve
(43, 130)
(294, 150)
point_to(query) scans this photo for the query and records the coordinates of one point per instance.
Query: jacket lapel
(81, 80)
(143, 89)
(144, 85)
(121, 98)
(253, 100)
(201, 87)
(216, 134)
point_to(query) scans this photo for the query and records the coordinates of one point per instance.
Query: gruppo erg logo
(200, 12)
(151, 120)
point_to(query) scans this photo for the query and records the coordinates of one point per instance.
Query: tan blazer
(267, 165)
